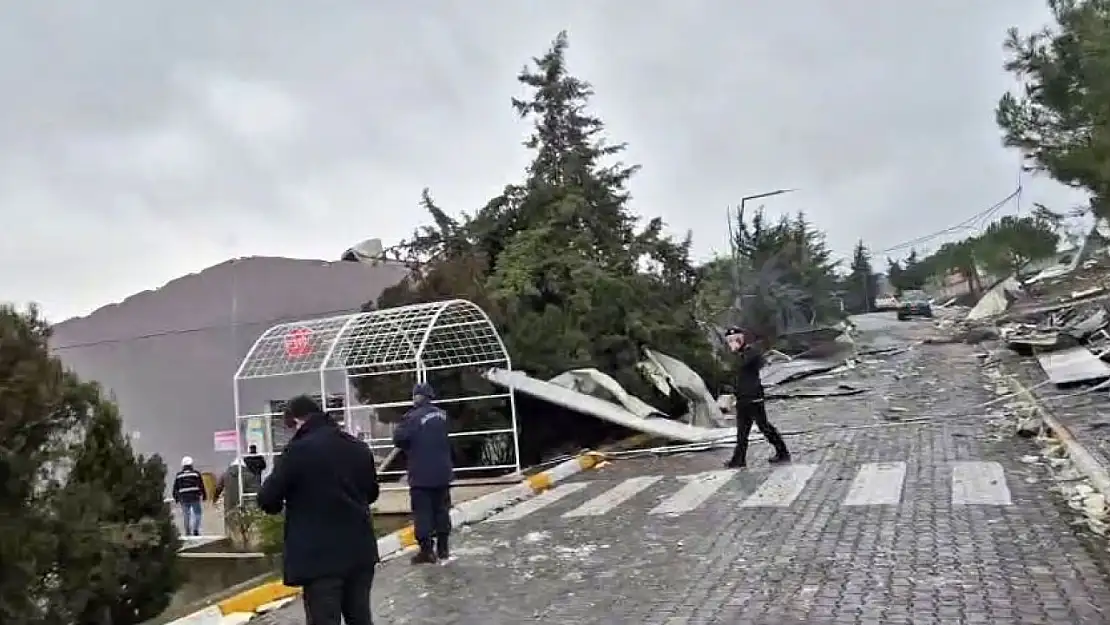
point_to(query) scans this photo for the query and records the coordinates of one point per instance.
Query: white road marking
(979, 483)
(614, 497)
(542, 500)
(782, 487)
(877, 484)
(698, 488)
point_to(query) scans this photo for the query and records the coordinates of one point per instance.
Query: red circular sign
(298, 343)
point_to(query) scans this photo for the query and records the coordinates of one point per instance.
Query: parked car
(886, 302)
(914, 304)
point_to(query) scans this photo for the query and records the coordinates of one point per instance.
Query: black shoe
(735, 464)
(443, 549)
(425, 555)
(782, 457)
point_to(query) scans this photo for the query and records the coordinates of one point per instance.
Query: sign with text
(225, 440)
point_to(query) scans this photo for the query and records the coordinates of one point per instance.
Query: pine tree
(783, 276)
(560, 260)
(1059, 120)
(862, 283)
(121, 566)
(85, 532)
(39, 404)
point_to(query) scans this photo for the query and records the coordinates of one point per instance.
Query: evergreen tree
(85, 533)
(120, 565)
(559, 260)
(910, 274)
(1060, 119)
(1010, 243)
(862, 282)
(958, 258)
(783, 276)
(39, 404)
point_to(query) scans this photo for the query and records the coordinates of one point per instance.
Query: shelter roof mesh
(435, 335)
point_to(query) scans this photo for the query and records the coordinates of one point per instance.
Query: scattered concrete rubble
(1023, 417)
(1069, 336)
(1060, 317)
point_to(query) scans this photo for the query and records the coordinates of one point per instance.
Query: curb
(1083, 459)
(235, 608)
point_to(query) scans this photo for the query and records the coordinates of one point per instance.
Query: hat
(187, 461)
(734, 331)
(424, 390)
(300, 407)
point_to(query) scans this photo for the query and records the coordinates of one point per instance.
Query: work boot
(425, 555)
(443, 548)
(780, 457)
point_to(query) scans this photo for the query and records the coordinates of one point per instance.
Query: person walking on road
(189, 494)
(423, 436)
(324, 482)
(750, 407)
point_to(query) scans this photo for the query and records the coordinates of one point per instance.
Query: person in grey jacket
(423, 436)
(228, 486)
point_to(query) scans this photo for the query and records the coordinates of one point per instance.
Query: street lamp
(740, 214)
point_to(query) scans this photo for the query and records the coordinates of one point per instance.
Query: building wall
(169, 355)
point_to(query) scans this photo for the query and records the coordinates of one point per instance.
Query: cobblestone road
(869, 526)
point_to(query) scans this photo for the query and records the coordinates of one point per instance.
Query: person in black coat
(750, 407)
(254, 461)
(423, 436)
(325, 481)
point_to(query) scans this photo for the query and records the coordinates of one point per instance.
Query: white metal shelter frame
(406, 340)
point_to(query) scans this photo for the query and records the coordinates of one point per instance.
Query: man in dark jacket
(750, 407)
(422, 435)
(254, 461)
(189, 493)
(325, 482)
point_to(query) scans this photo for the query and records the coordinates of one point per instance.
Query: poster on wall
(225, 440)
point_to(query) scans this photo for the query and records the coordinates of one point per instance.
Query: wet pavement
(907, 504)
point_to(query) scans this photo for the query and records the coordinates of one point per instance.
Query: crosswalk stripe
(782, 487)
(979, 483)
(542, 500)
(877, 484)
(614, 496)
(697, 489)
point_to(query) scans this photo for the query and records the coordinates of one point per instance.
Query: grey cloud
(157, 138)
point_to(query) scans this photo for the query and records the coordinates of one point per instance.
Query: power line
(970, 223)
(215, 326)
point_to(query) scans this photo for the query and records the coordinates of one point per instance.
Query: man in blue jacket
(422, 435)
(324, 482)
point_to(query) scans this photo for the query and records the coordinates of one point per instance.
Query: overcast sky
(158, 138)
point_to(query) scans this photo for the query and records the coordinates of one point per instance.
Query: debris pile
(1052, 458)
(1068, 334)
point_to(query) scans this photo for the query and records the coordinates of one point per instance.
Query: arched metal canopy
(419, 337)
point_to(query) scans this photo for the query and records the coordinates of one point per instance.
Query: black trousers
(332, 600)
(431, 513)
(754, 412)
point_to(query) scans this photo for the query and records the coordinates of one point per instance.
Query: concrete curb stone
(1083, 459)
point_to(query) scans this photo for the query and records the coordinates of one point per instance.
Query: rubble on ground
(1020, 416)
(1066, 315)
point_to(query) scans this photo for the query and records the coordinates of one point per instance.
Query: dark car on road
(914, 304)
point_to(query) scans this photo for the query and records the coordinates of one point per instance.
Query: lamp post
(740, 215)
